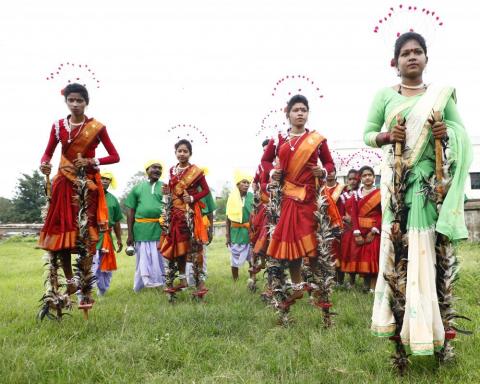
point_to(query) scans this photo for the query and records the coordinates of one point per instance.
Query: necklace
(420, 86)
(179, 170)
(298, 136)
(68, 127)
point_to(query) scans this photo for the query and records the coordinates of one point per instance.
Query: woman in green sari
(422, 330)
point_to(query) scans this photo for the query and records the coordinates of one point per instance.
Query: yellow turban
(149, 163)
(109, 175)
(241, 175)
(234, 203)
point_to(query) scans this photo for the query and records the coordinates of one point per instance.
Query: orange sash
(199, 228)
(336, 191)
(147, 220)
(109, 261)
(297, 163)
(302, 154)
(234, 224)
(190, 175)
(369, 203)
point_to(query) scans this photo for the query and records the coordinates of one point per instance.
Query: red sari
(59, 231)
(367, 214)
(177, 242)
(294, 236)
(349, 249)
(259, 220)
(335, 192)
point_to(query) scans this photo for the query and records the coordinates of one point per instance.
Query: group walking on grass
(301, 228)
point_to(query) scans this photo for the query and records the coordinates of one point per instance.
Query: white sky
(212, 64)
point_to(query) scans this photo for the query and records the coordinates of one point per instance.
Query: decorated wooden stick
(437, 116)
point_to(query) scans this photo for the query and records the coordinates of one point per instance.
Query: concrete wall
(472, 219)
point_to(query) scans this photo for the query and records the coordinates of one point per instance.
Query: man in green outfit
(144, 203)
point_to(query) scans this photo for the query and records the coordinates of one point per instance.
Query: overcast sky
(212, 64)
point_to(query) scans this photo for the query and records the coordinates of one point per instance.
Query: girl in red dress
(187, 232)
(297, 155)
(367, 224)
(79, 137)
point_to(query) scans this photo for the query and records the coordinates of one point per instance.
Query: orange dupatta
(200, 232)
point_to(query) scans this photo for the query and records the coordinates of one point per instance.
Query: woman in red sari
(349, 248)
(79, 137)
(298, 153)
(187, 232)
(367, 223)
(259, 219)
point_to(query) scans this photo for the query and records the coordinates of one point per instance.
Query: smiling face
(76, 103)
(412, 60)
(154, 172)
(298, 115)
(183, 153)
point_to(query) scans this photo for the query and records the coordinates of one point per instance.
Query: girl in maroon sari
(297, 169)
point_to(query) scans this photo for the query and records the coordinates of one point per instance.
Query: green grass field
(232, 338)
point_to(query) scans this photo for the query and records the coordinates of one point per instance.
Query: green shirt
(240, 235)
(114, 214)
(146, 200)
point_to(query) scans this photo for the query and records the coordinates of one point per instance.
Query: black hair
(352, 171)
(265, 142)
(76, 88)
(402, 40)
(366, 168)
(184, 142)
(297, 99)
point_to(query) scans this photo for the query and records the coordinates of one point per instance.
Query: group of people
(298, 219)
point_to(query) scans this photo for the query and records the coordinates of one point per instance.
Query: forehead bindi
(411, 45)
(75, 97)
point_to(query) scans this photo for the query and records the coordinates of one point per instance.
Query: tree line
(29, 199)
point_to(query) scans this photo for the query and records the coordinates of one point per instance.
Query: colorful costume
(60, 229)
(104, 260)
(258, 219)
(294, 236)
(335, 193)
(349, 249)
(366, 218)
(208, 210)
(146, 200)
(178, 242)
(422, 328)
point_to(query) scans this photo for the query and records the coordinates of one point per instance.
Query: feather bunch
(166, 217)
(170, 273)
(324, 274)
(53, 301)
(273, 209)
(447, 274)
(397, 276)
(277, 279)
(84, 277)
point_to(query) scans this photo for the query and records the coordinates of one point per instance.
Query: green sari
(422, 327)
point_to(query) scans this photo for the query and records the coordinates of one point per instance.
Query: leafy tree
(6, 210)
(220, 213)
(29, 198)
(134, 180)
